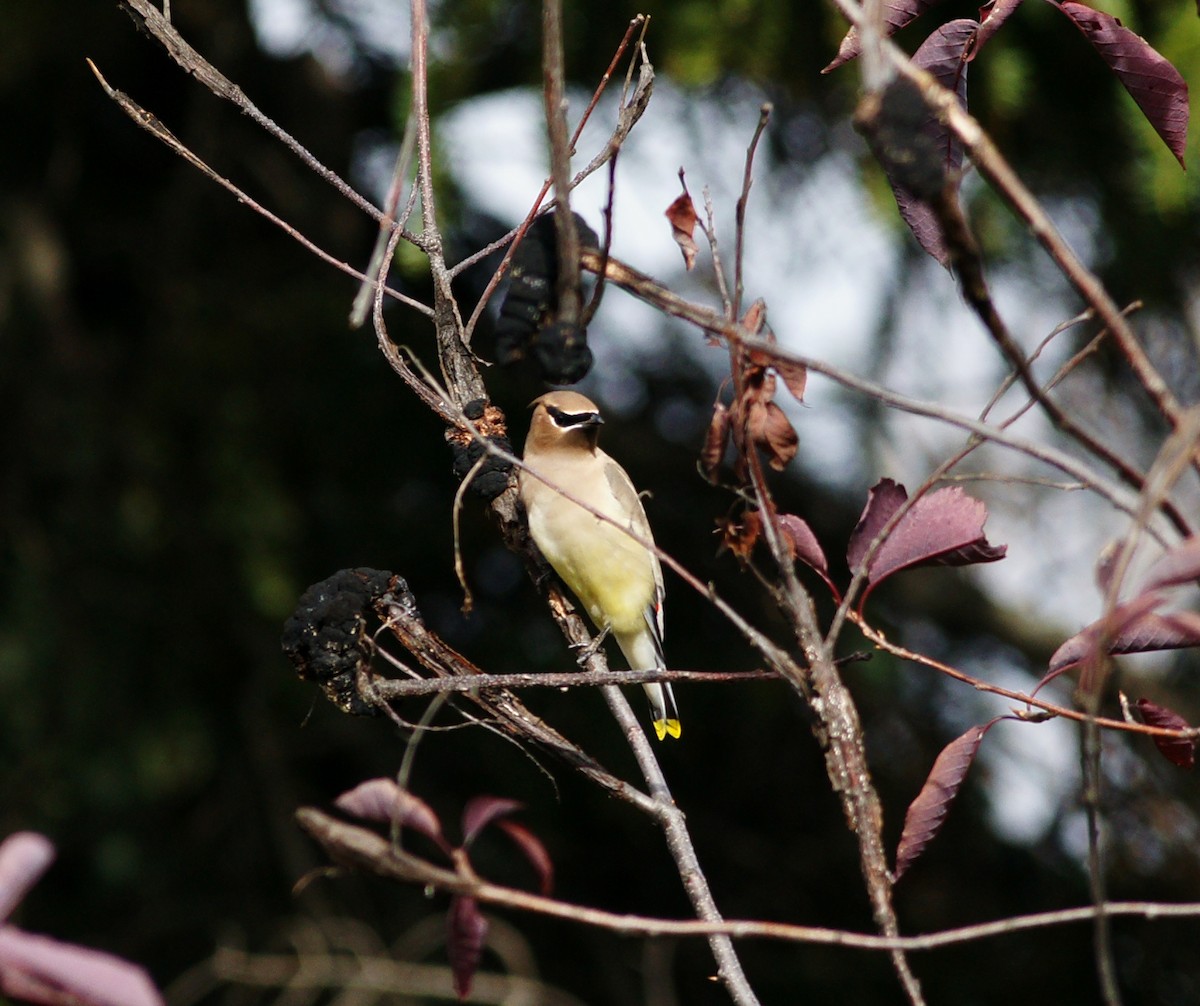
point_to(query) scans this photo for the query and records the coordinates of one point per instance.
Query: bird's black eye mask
(565, 420)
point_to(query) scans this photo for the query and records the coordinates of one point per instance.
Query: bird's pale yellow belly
(610, 573)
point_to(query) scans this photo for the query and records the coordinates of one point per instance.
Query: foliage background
(190, 435)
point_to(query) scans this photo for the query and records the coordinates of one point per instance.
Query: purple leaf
(480, 811)
(923, 223)
(943, 528)
(805, 547)
(803, 542)
(896, 14)
(883, 500)
(466, 929)
(382, 800)
(991, 16)
(1177, 750)
(24, 857)
(1132, 629)
(534, 851)
(927, 812)
(944, 55)
(43, 970)
(1157, 87)
(1176, 566)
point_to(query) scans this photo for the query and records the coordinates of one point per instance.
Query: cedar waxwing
(617, 579)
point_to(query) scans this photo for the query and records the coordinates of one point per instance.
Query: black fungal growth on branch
(492, 476)
(528, 327)
(326, 637)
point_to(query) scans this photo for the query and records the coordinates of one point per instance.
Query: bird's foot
(590, 649)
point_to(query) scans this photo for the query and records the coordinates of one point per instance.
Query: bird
(618, 580)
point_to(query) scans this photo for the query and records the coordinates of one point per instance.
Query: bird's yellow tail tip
(665, 728)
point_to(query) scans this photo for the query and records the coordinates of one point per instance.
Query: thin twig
(1029, 701)
(764, 116)
(513, 238)
(153, 125)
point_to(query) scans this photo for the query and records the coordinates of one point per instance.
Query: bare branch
(358, 847)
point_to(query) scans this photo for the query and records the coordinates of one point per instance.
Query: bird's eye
(565, 420)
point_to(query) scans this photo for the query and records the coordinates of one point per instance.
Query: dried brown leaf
(682, 215)
(778, 438)
(739, 535)
(715, 441)
(755, 317)
(795, 376)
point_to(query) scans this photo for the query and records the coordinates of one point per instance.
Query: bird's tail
(663, 711)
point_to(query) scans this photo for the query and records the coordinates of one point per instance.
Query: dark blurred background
(190, 434)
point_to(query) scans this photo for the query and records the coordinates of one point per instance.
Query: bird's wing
(629, 502)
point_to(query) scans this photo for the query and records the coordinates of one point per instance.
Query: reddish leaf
(1140, 633)
(24, 857)
(43, 970)
(943, 528)
(805, 547)
(896, 14)
(480, 811)
(927, 812)
(384, 801)
(944, 55)
(682, 214)
(1176, 566)
(466, 930)
(922, 223)
(803, 542)
(1177, 750)
(534, 851)
(1157, 87)
(715, 441)
(883, 499)
(991, 16)
(739, 536)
